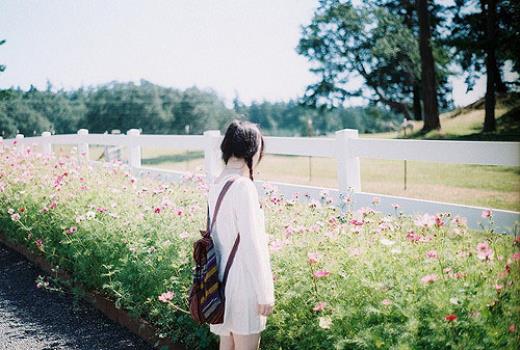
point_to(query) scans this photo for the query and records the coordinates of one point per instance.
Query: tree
(491, 65)
(484, 35)
(406, 10)
(346, 42)
(428, 78)
(2, 66)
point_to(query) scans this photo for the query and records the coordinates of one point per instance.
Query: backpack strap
(230, 259)
(219, 201)
(237, 240)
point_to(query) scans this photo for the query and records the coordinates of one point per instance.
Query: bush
(344, 279)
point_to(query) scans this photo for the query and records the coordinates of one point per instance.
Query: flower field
(343, 279)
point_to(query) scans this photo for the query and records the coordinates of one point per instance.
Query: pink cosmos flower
(357, 222)
(376, 200)
(39, 243)
(157, 210)
(319, 306)
(313, 257)
(275, 199)
(15, 217)
(72, 229)
(166, 297)
(396, 206)
(432, 254)
(484, 251)
(460, 221)
(438, 221)
(276, 245)
(333, 221)
(412, 236)
(486, 213)
(499, 287)
(516, 256)
(429, 278)
(425, 220)
(365, 211)
(386, 302)
(321, 273)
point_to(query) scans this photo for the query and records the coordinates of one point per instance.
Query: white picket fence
(346, 147)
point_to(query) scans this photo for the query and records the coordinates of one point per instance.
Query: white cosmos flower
(325, 322)
(387, 242)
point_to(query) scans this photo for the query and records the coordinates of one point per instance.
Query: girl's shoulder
(244, 182)
(245, 187)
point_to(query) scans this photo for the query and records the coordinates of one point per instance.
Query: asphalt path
(34, 318)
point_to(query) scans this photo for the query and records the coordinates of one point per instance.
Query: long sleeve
(254, 241)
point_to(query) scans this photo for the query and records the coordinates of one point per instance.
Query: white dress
(250, 279)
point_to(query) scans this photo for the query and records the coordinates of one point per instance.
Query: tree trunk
(417, 108)
(429, 85)
(501, 87)
(491, 66)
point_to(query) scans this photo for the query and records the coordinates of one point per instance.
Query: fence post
(134, 151)
(83, 147)
(212, 158)
(349, 170)
(19, 143)
(46, 143)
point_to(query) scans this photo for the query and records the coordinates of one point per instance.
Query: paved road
(37, 319)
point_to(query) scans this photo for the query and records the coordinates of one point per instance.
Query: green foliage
(373, 42)
(159, 110)
(468, 38)
(132, 240)
(2, 66)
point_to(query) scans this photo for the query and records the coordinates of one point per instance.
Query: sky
(243, 48)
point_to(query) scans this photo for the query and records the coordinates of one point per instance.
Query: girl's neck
(236, 166)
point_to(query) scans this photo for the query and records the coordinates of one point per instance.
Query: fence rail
(346, 147)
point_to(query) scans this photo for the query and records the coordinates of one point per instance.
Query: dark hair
(241, 141)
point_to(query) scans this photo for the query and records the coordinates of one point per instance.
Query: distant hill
(465, 123)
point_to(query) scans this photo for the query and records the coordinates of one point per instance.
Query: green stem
(178, 308)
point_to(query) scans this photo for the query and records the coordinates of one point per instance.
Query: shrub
(344, 279)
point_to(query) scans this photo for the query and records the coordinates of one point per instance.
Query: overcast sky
(232, 46)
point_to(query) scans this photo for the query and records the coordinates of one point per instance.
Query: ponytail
(249, 162)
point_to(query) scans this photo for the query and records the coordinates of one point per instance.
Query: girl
(249, 289)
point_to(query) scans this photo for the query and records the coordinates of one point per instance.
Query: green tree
(372, 42)
(428, 77)
(484, 35)
(2, 66)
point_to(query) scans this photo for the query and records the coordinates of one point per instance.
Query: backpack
(206, 296)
